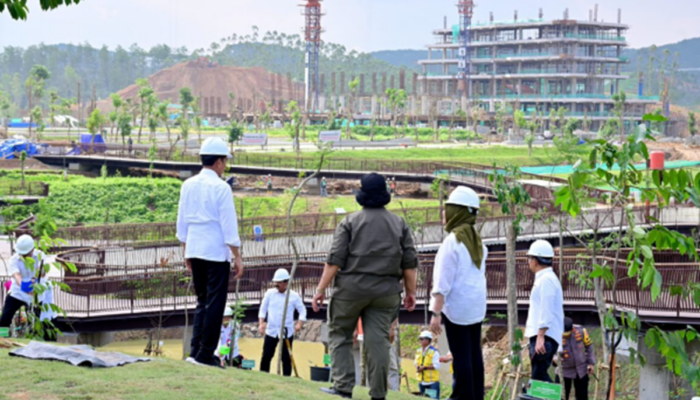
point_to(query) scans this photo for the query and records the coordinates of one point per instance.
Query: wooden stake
(498, 384)
(515, 382)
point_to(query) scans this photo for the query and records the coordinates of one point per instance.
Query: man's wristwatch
(436, 314)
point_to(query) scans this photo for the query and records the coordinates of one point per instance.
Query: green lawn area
(97, 201)
(160, 379)
(482, 154)
(400, 158)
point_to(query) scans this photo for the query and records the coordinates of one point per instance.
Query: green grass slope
(160, 379)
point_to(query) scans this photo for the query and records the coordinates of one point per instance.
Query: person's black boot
(334, 392)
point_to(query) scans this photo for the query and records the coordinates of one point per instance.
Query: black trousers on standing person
(580, 386)
(9, 310)
(269, 348)
(541, 362)
(465, 344)
(13, 305)
(210, 280)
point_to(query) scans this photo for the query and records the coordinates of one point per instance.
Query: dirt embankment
(213, 83)
(30, 164)
(676, 151)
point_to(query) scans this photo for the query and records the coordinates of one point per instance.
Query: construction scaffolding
(312, 34)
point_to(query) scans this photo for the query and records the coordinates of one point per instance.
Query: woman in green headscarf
(459, 293)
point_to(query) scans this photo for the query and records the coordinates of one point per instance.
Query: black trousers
(269, 348)
(465, 345)
(580, 387)
(542, 362)
(13, 305)
(210, 280)
(9, 310)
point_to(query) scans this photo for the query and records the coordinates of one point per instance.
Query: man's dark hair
(545, 261)
(208, 161)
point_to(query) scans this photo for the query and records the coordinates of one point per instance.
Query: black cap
(373, 193)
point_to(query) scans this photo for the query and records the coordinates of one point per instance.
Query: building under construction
(534, 66)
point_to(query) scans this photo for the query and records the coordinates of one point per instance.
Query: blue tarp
(8, 148)
(87, 144)
(20, 125)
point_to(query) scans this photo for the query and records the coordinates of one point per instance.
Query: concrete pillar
(188, 338)
(655, 379)
(98, 339)
(424, 105)
(375, 110)
(465, 104)
(322, 103)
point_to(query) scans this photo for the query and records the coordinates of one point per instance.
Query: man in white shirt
(545, 318)
(208, 230)
(272, 308)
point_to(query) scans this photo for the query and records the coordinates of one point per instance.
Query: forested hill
(402, 58)
(110, 70)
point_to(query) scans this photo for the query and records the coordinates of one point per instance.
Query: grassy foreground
(155, 380)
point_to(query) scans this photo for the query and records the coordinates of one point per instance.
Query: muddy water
(306, 354)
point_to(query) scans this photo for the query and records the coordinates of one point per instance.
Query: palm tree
(164, 116)
(145, 91)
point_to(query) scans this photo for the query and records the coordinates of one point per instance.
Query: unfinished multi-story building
(534, 66)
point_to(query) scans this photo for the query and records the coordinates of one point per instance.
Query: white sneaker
(190, 360)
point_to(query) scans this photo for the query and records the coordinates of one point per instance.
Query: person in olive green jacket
(372, 252)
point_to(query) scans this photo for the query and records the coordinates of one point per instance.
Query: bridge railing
(151, 288)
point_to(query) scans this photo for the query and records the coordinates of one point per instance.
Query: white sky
(363, 25)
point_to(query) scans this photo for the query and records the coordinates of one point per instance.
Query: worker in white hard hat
(545, 318)
(207, 227)
(23, 268)
(427, 364)
(459, 292)
(272, 309)
(228, 350)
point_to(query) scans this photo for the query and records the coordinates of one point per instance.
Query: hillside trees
(34, 86)
(18, 9)
(145, 91)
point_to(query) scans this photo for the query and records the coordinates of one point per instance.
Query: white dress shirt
(456, 277)
(206, 218)
(272, 308)
(17, 266)
(546, 306)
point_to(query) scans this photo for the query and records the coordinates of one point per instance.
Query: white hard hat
(463, 196)
(541, 248)
(426, 335)
(228, 312)
(25, 244)
(214, 147)
(281, 275)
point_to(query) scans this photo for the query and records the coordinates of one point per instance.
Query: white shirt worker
(272, 308)
(546, 306)
(17, 266)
